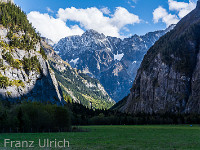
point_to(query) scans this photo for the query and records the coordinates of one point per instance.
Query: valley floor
(156, 137)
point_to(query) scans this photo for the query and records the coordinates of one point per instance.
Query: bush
(18, 83)
(43, 53)
(8, 57)
(1, 63)
(31, 63)
(4, 82)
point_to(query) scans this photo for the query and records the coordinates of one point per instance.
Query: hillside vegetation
(14, 19)
(85, 90)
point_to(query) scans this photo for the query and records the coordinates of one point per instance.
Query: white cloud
(170, 19)
(161, 14)
(90, 18)
(105, 10)
(122, 17)
(181, 7)
(93, 18)
(50, 10)
(52, 28)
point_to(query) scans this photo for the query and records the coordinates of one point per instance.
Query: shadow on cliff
(44, 91)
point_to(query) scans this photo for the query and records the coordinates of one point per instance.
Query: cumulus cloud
(122, 17)
(93, 18)
(90, 18)
(52, 28)
(161, 14)
(168, 18)
(182, 7)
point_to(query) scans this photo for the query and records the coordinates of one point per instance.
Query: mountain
(75, 84)
(168, 80)
(48, 41)
(114, 62)
(25, 74)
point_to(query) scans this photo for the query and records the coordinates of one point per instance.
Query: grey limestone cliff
(33, 85)
(168, 80)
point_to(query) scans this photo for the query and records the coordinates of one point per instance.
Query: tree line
(39, 117)
(33, 117)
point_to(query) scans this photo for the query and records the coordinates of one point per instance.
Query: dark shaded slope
(168, 78)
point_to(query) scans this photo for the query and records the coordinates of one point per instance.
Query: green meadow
(139, 137)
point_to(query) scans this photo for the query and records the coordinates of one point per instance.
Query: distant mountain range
(113, 61)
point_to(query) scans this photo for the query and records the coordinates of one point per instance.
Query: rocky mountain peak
(91, 31)
(48, 41)
(93, 34)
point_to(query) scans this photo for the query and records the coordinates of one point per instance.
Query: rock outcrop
(168, 80)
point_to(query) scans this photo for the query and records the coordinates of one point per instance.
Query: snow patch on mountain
(57, 52)
(74, 61)
(118, 56)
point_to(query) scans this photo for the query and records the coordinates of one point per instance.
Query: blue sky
(56, 19)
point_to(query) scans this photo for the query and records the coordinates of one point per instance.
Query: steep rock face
(168, 79)
(80, 87)
(193, 104)
(24, 72)
(114, 62)
(36, 85)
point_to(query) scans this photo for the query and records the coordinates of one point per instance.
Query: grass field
(163, 137)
